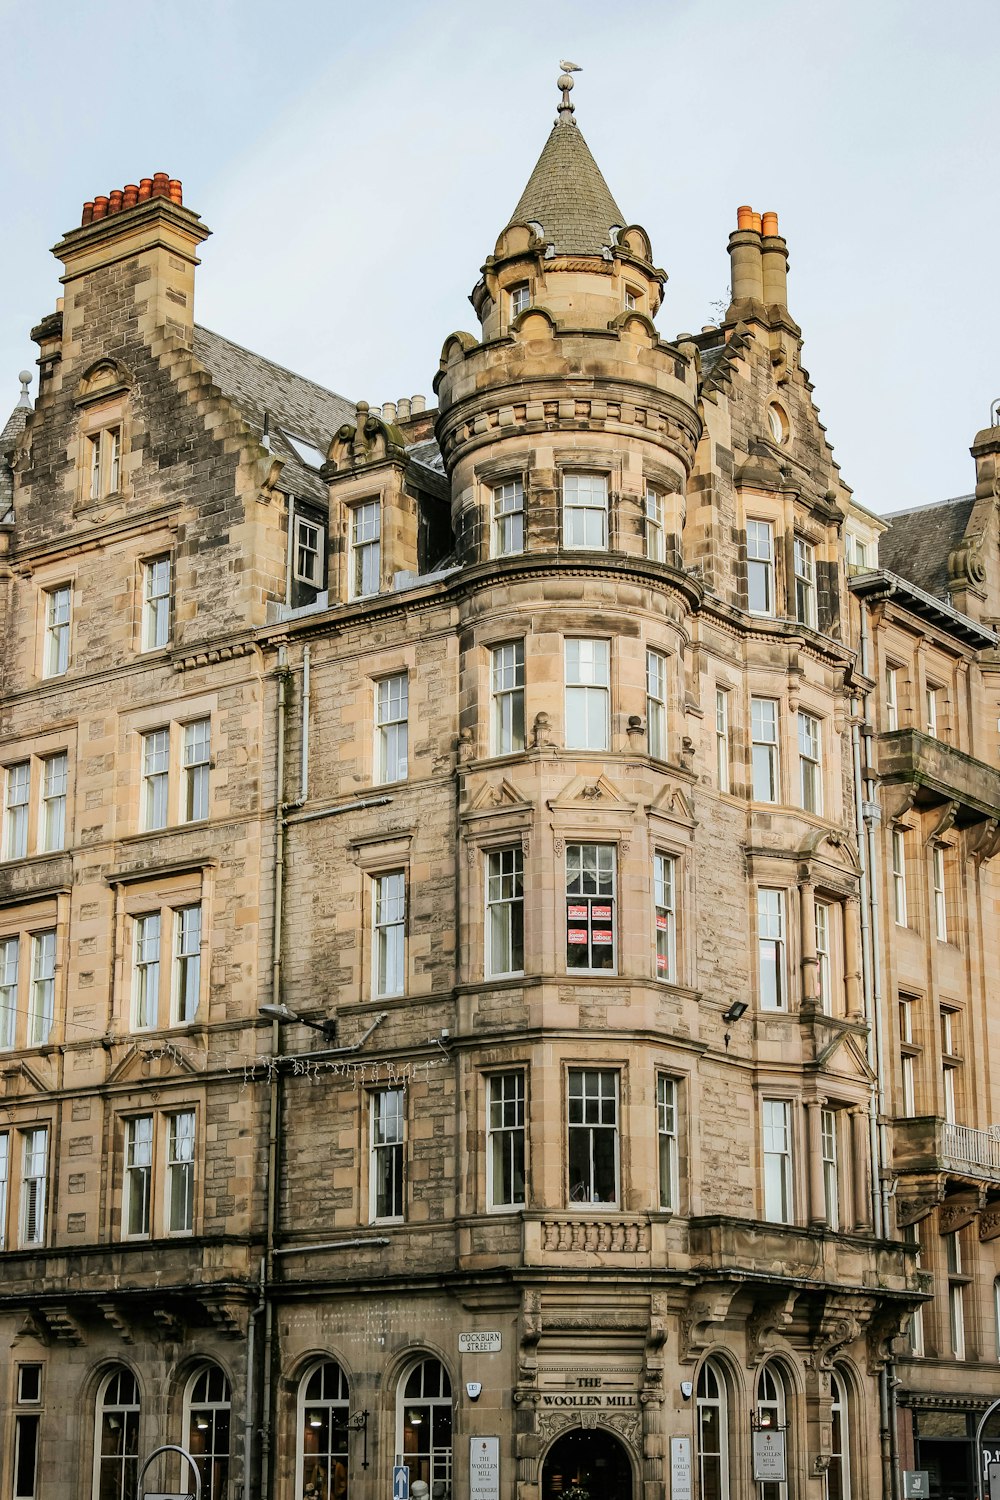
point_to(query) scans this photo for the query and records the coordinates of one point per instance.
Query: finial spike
(25, 379)
(565, 83)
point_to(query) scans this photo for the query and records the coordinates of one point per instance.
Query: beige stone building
(498, 946)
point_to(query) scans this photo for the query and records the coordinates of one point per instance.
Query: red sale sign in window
(661, 924)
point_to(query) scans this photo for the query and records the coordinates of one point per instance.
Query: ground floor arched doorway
(587, 1464)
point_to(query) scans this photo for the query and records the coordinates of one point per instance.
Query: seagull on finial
(569, 67)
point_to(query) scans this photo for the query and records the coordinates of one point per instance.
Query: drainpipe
(304, 774)
(250, 1393)
(274, 1091)
(865, 793)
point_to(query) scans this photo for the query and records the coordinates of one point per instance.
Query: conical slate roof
(568, 196)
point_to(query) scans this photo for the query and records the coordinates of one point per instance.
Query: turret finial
(566, 83)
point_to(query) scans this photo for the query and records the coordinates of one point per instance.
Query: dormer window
(104, 462)
(308, 553)
(520, 299)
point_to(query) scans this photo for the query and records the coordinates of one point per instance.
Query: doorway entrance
(587, 1464)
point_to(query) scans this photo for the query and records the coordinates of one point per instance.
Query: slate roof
(917, 544)
(568, 196)
(8, 437)
(291, 402)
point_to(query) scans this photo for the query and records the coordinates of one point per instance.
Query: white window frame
(137, 1177)
(830, 1148)
(17, 809)
(722, 749)
(147, 943)
(392, 728)
(705, 1400)
(52, 803)
(205, 1408)
(778, 1161)
(765, 754)
(668, 1142)
(507, 721)
(666, 871)
(365, 552)
(891, 697)
(898, 850)
(33, 1213)
(824, 926)
(810, 737)
(588, 693)
(508, 517)
(307, 554)
(156, 586)
(932, 725)
(804, 563)
(520, 299)
(956, 1295)
(771, 948)
(597, 1103)
(655, 535)
(504, 911)
(196, 767)
(58, 622)
(155, 772)
(123, 1464)
(179, 1172)
(104, 449)
(839, 1428)
(656, 704)
(760, 567)
(585, 510)
(10, 969)
(42, 1005)
(506, 1140)
(940, 893)
(5, 1145)
(591, 909)
(435, 1460)
(388, 1143)
(186, 986)
(388, 934)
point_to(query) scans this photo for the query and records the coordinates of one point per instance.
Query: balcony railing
(972, 1148)
(928, 1144)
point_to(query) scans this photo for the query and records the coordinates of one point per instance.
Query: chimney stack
(146, 227)
(745, 255)
(775, 263)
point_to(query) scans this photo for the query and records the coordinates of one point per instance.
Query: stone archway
(588, 1463)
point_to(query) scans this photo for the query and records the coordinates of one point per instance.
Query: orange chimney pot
(756, 224)
(176, 193)
(115, 201)
(145, 188)
(769, 223)
(161, 185)
(88, 214)
(131, 195)
(100, 207)
(744, 217)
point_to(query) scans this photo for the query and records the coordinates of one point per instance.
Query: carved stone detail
(601, 1236)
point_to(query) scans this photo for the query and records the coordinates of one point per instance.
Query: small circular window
(778, 423)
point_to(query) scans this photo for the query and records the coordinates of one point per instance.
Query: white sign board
(769, 1457)
(680, 1468)
(480, 1342)
(484, 1468)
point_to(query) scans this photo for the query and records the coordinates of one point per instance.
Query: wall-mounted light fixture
(283, 1013)
(737, 1009)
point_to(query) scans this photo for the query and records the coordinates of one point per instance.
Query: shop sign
(680, 1468)
(769, 1457)
(484, 1468)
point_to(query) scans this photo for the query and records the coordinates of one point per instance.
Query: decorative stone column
(814, 1143)
(854, 1001)
(810, 962)
(862, 1193)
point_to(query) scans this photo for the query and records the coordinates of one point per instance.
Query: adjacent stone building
(498, 943)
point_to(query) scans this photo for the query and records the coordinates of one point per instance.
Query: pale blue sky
(356, 164)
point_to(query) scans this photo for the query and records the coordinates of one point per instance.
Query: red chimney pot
(176, 192)
(88, 214)
(115, 201)
(145, 188)
(100, 207)
(161, 185)
(131, 195)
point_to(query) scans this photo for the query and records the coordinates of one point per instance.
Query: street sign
(769, 1456)
(916, 1484)
(482, 1341)
(401, 1482)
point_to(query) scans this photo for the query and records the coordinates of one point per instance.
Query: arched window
(423, 1429)
(116, 1438)
(713, 1433)
(324, 1407)
(838, 1475)
(208, 1404)
(771, 1403)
